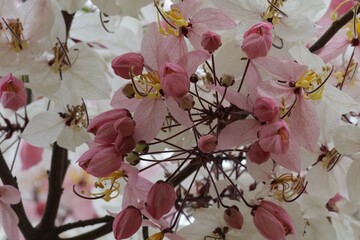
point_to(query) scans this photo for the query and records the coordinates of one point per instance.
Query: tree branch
(84, 223)
(332, 30)
(58, 168)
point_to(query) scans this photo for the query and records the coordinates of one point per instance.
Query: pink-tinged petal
(214, 19)
(119, 100)
(133, 193)
(191, 61)
(131, 172)
(233, 217)
(336, 46)
(126, 223)
(160, 200)
(277, 91)
(291, 159)
(9, 194)
(176, 47)
(30, 155)
(266, 109)
(237, 133)
(304, 124)
(195, 33)
(149, 118)
(252, 81)
(234, 97)
(152, 48)
(179, 114)
(187, 8)
(9, 220)
(256, 154)
(292, 72)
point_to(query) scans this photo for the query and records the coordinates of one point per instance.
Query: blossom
(126, 223)
(257, 40)
(272, 221)
(12, 92)
(8, 218)
(160, 200)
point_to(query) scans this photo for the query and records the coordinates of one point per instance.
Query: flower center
(313, 83)
(61, 61)
(273, 14)
(109, 187)
(174, 20)
(147, 85)
(330, 159)
(287, 187)
(17, 38)
(76, 116)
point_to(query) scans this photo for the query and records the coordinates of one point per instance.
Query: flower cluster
(231, 119)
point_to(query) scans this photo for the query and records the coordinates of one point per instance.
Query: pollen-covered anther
(76, 116)
(60, 62)
(287, 187)
(109, 187)
(273, 13)
(313, 83)
(17, 38)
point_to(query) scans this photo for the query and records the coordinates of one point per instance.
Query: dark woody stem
(333, 29)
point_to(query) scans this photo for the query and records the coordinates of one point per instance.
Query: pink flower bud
(160, 199)
(105, 117)
(210, 41)
(266, 109)
(12, 92)
(125, 126)
(101, 160)
(233, 217)
(207, 143)
(274, 137)
(257, 40)
(174, 80)
(187, 102)
(127, 223)
(256, 154)
(122, 64)
(272, 221)
(124, 144)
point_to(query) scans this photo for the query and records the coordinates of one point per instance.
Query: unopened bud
(133, 158)
(210, 41)
(160, 199)
(194, 78)
(207, 143)
(128, 91)
(142, 147)
(122, 65)
(227, 80)
(233, 217)
(187, 102)
(256, 154)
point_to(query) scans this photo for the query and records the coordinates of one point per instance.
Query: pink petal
(9, 220)
(152, 48)
(9, 194)
(30, 155)
(191, 61)
(292, 72)
(238, 133)
(291, 159)
(149, 118)
(179, 114)
(119, 100)
(304, 124)
(214, 19)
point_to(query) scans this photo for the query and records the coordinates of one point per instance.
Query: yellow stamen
(272, 13)
(287, 187)
(112, 192)
(157, 236)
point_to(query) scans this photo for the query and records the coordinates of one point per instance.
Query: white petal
(43, 129)
(353, 181)
(71, 137)
(303, 56)
(319, 228)
(347, 139)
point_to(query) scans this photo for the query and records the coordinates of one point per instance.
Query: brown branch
(59, 163)
(332, 30)
(84, 223)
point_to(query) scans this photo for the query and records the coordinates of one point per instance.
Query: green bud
(142, 147)
(133, 158)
